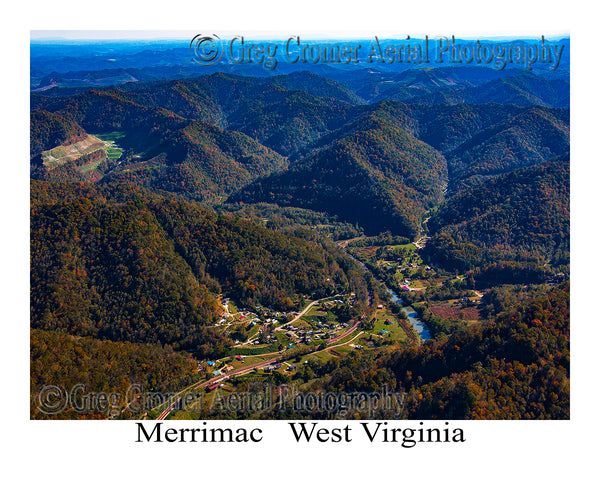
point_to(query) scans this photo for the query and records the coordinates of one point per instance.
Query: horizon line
(42, 36)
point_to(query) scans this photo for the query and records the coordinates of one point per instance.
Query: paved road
(243, 370)
(344, 243)
(264, 363)
(300, 314)
(224, 376)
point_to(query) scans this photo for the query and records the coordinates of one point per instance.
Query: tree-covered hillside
(48, 130)
(377, 175)
(518, 216)
(122, 264)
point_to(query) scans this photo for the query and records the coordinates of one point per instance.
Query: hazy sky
(188, 34)
(110, 34)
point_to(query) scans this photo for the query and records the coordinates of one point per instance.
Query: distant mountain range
(161, 188)
(307, 141)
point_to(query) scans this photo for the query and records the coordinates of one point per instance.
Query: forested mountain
(412, 85)
(94, 78)
(105, 110)
(523, 89)
(284, 113)
(124, 369)
(519, 216)
(446, 127)
(516, 368)
(110, 271)
(373, 85)
(455, 85)
(380, 165)
(315, 85)
(201, 162)
(173, 154)
(122, 264)
(377, 175)
(375, 159)
(531, 137)
(282, 119)
(159, 190)
(48, 130)
(293, 123)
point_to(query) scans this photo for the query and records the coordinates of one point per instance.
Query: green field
(113, 152)
(90, 167)
(395, 332)
(254, 349)
(111, 137)
(68, 153)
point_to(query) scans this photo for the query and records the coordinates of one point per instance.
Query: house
(210, 363)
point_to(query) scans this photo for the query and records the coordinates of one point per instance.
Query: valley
(332, 231)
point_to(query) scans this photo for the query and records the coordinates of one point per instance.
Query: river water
(413, 318)
(419, 326)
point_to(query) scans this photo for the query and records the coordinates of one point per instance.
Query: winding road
(243, 370)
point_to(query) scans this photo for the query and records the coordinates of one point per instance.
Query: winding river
(419, 326)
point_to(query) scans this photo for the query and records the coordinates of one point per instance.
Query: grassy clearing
(322, 355)
(247, 361)
(89, 167)
(408, 246)
(114, 153)
(393, 330)
(283, 338)
(254, 349)
(454, 311)
(303, 324)
(67, 153)
(254, 330)
(110, 136)
(343, 349)
(314, 311)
